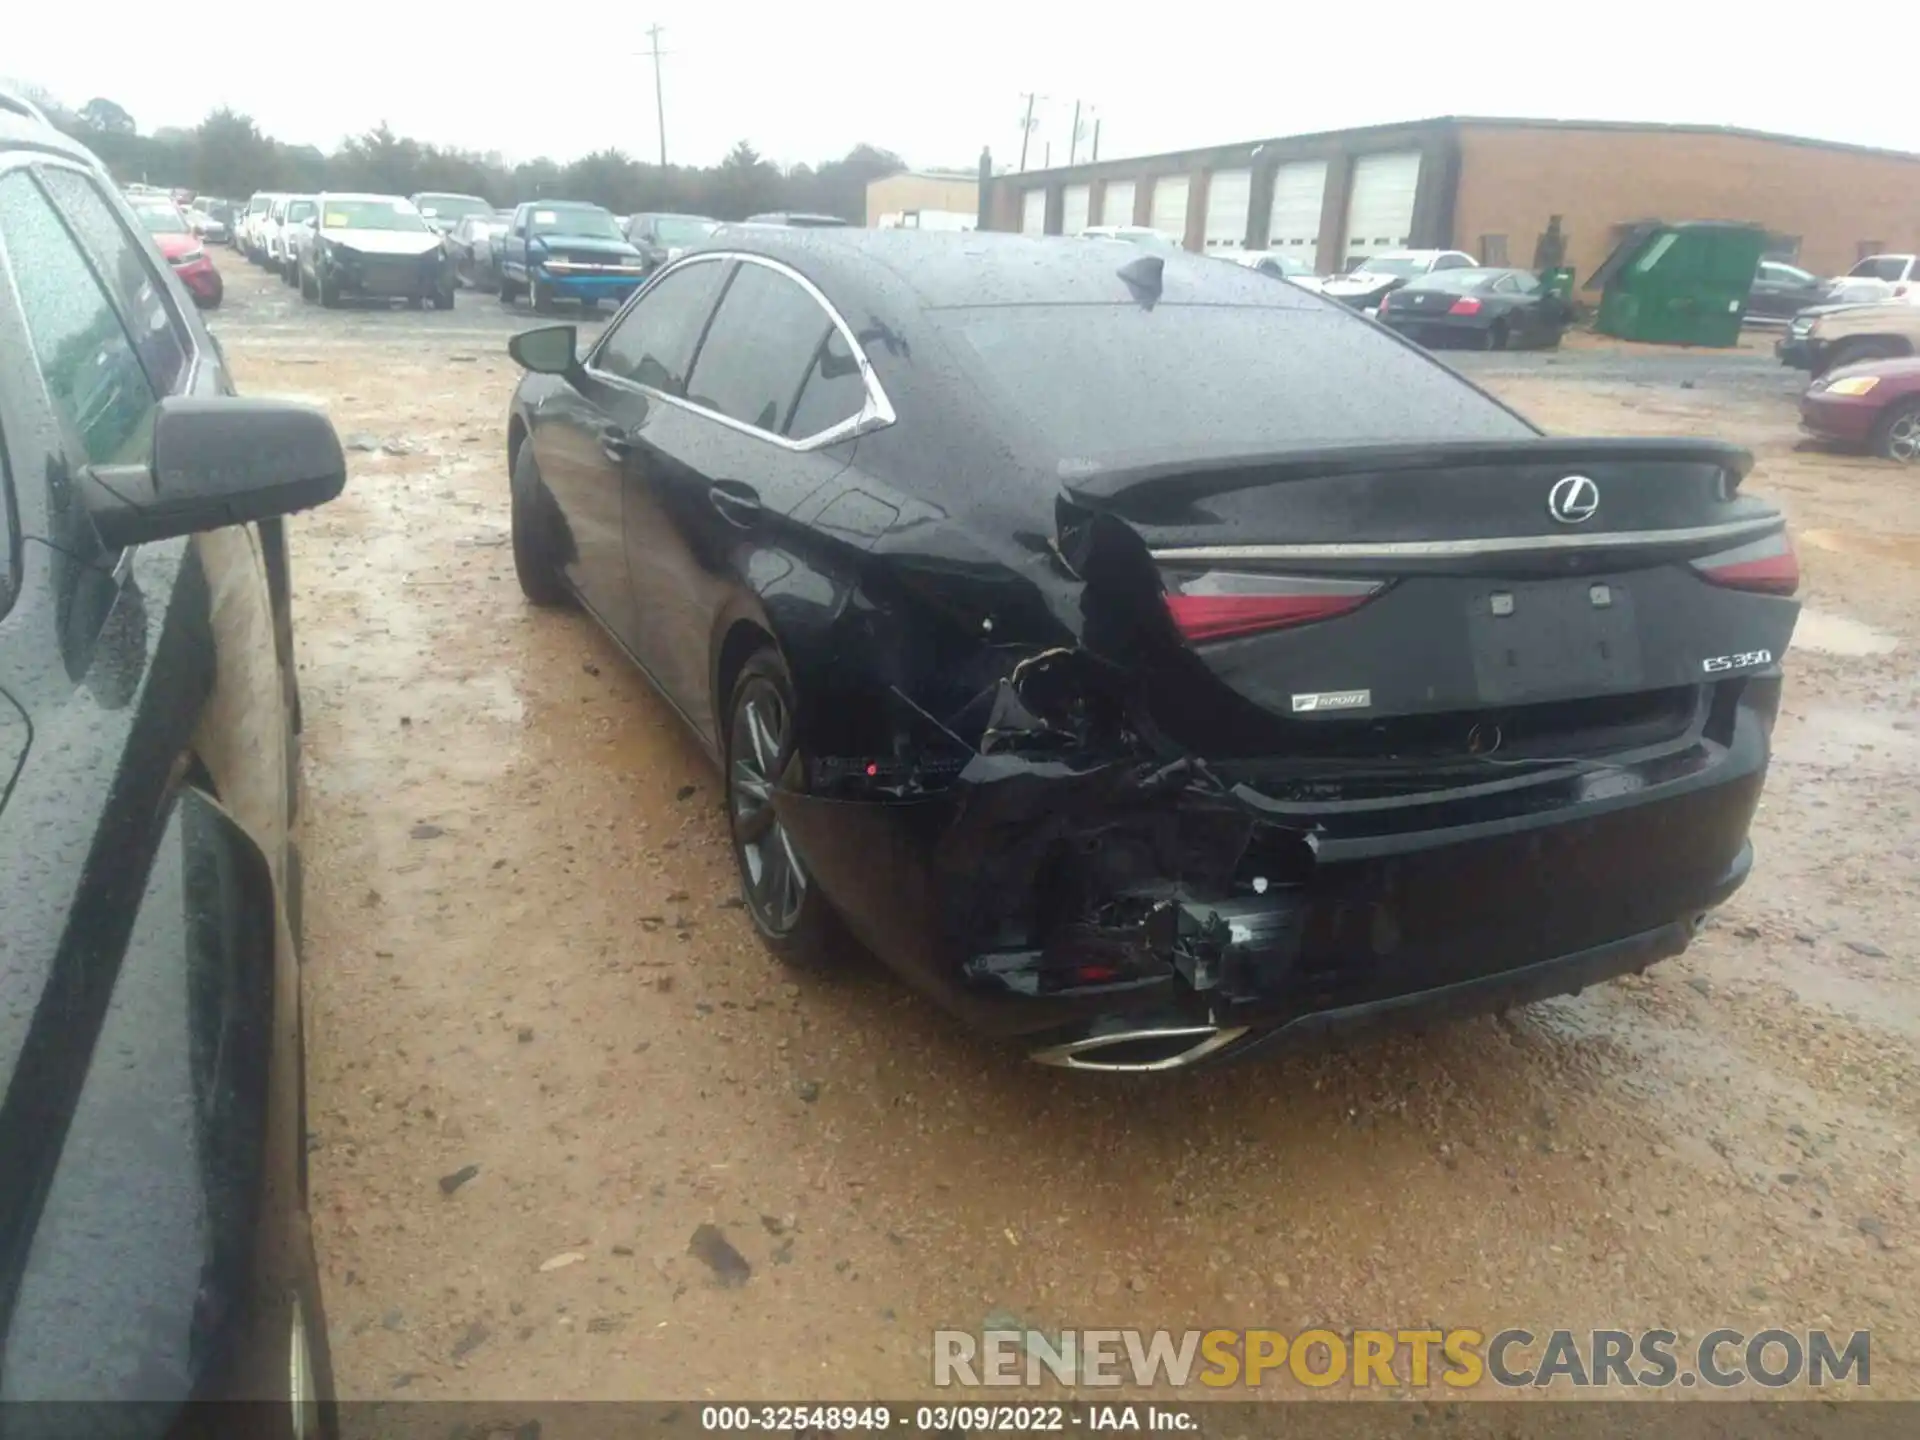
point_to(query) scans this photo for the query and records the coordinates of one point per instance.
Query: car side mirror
(550, 350)
(218, 460)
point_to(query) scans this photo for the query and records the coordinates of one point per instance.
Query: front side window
(91, 369)
(761, 344)
(299, 210)
(652, 344)
(122, 263)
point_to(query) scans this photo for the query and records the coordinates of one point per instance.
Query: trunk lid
(1405, 603)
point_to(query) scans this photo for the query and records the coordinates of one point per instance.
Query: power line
(659, 95)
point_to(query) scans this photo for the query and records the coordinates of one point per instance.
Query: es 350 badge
(1745, 660)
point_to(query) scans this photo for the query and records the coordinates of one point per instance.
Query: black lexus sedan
(1482, 308)
(154, 1240)
(1146, 660)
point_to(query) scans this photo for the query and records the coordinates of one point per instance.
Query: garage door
(1170, 207)
(1228, 194)
(1033, 211)
(1380, 206)
(1073, 209)
(1293, 224)
(1116, 207)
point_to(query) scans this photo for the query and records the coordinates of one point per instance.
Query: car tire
(540, 294)
(794, 919)
(536, 524)
(329, 294)
(307, 291)
(1896, 435)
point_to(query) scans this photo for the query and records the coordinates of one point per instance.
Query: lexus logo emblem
(1573, 499)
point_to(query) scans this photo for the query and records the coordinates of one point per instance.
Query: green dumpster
(1679, 284)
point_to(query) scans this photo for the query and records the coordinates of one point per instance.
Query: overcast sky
(805, 81)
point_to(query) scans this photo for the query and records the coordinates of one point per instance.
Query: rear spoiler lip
(1753, 527)
(1203, 478)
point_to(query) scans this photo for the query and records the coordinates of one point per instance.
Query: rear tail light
(1381, 309)
(1767, 566)
(1465, 305)
(1224, 604)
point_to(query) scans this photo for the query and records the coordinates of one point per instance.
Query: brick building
(1485, 186)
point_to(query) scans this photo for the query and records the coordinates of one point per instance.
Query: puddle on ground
(1827, 634)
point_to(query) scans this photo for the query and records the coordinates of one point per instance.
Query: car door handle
(615, 443)
(737, 503)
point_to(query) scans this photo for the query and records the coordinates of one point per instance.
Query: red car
(1875, 404)
(183, 251)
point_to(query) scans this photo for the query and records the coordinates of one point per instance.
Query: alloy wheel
(760, 749)
(1903, 438)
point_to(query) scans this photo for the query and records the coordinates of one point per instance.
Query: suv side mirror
(217, 460)
(550, 350)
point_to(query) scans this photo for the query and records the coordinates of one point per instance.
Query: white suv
(1898, 276)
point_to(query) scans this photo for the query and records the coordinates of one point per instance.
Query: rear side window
(652, 344)
(833, 391)
(1119, 384)
(761, 345)
(122, 262)
(91, 370)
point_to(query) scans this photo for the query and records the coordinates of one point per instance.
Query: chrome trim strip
(875, 414)
(1070, 1055)
(1440, 549)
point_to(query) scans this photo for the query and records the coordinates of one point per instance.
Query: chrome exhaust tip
(1167, 1047)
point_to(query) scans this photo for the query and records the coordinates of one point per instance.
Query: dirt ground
(524, 961)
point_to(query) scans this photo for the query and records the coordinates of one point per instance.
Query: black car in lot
(1484, 308)
(1781, 291)
(154, 1238)
(1146, 659)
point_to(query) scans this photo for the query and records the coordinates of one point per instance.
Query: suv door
(714, 477)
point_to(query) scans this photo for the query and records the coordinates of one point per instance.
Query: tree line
(226, 154)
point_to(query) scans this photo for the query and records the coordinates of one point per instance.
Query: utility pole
(1026, 129)
(659, 98)
(1096, 137)
(1073, 140)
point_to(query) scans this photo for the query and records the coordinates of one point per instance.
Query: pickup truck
(566, 250)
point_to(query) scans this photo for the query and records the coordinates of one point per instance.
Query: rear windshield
(1119, 384)
(1454, 282)
(1391, 265)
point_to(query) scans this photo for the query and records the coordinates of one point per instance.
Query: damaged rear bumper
(1122, 916)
